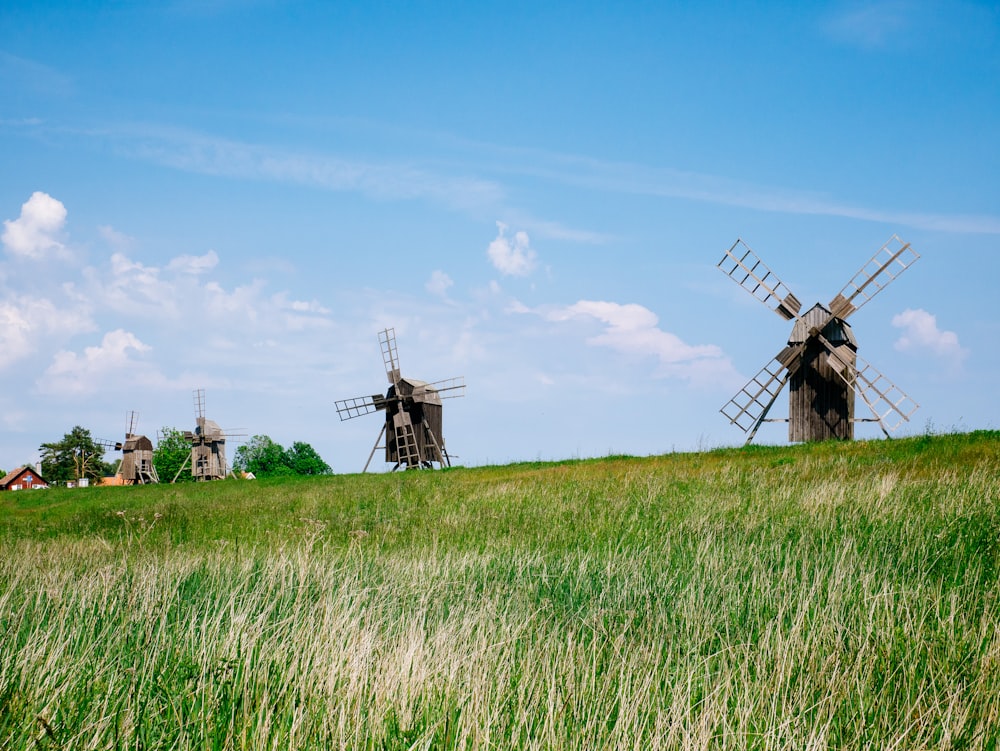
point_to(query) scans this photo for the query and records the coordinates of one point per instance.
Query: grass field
(819, 596)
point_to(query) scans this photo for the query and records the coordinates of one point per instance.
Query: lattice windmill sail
(820, 361)
(208, 445)
(136, 467)
(413, 413)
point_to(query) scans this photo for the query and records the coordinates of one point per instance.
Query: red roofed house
(23, 478)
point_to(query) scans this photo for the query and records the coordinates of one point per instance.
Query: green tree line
(78, 455)
(265, 458)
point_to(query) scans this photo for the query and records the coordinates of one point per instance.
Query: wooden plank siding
(820, 403)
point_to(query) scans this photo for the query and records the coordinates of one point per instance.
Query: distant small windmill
(136, 467)
(208, 445)
(413, 413)
(820, 361)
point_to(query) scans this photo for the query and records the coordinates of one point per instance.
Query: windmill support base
(186, 460)
(374, 449)
(874, 419)
(442, 457)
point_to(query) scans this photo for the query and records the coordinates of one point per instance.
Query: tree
(265, 458)
(304, 460)
(76, 456)
(172, 450)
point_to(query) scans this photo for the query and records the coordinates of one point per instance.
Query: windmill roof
(135, 442)
(422, 391)
(209, 429)
(836, 330)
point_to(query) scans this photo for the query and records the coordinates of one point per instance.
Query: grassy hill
(822, 596)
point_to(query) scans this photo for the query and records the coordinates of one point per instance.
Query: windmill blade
(881, 395)
(745, 268)
(387, 341)
(348, 409)
(889, 261)
(199, 404)
(750, 406)
(131, 420)
(449, 388)
(889, 404)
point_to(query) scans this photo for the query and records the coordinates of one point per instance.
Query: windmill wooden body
(413, 413)
(820, 361)
(136, 467)
(208, 445)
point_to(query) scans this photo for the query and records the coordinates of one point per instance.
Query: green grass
(819, 596)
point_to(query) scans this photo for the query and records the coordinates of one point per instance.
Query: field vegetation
(821, 596)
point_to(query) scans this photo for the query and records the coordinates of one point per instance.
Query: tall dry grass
(729, 600)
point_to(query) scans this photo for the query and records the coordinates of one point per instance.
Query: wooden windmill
(208, 445)
(820, 361)
(136, 467)
(412, 427)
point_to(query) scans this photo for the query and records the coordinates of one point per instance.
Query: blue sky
(238, 195)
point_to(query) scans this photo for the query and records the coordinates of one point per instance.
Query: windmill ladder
(406, 445)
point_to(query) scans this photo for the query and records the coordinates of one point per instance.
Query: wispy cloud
(869, 24)
(20, 73)
(188, 264)
(196, 152)
(664, 182)
(117, 240)
(482, 188)
(438, 283)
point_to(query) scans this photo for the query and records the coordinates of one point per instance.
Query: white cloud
(438, 284)
(512, 256)
(178, 297)
(71, 373)
(35, 233)
(921, 334)
(295, 315)
(131, 288)
(25, 321)
(195, 265)
(302, 306)
(634, 330)
(242, 301)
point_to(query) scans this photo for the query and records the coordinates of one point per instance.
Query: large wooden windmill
(136, 467)
(820, 361)
(412, 427)
(208, 445)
